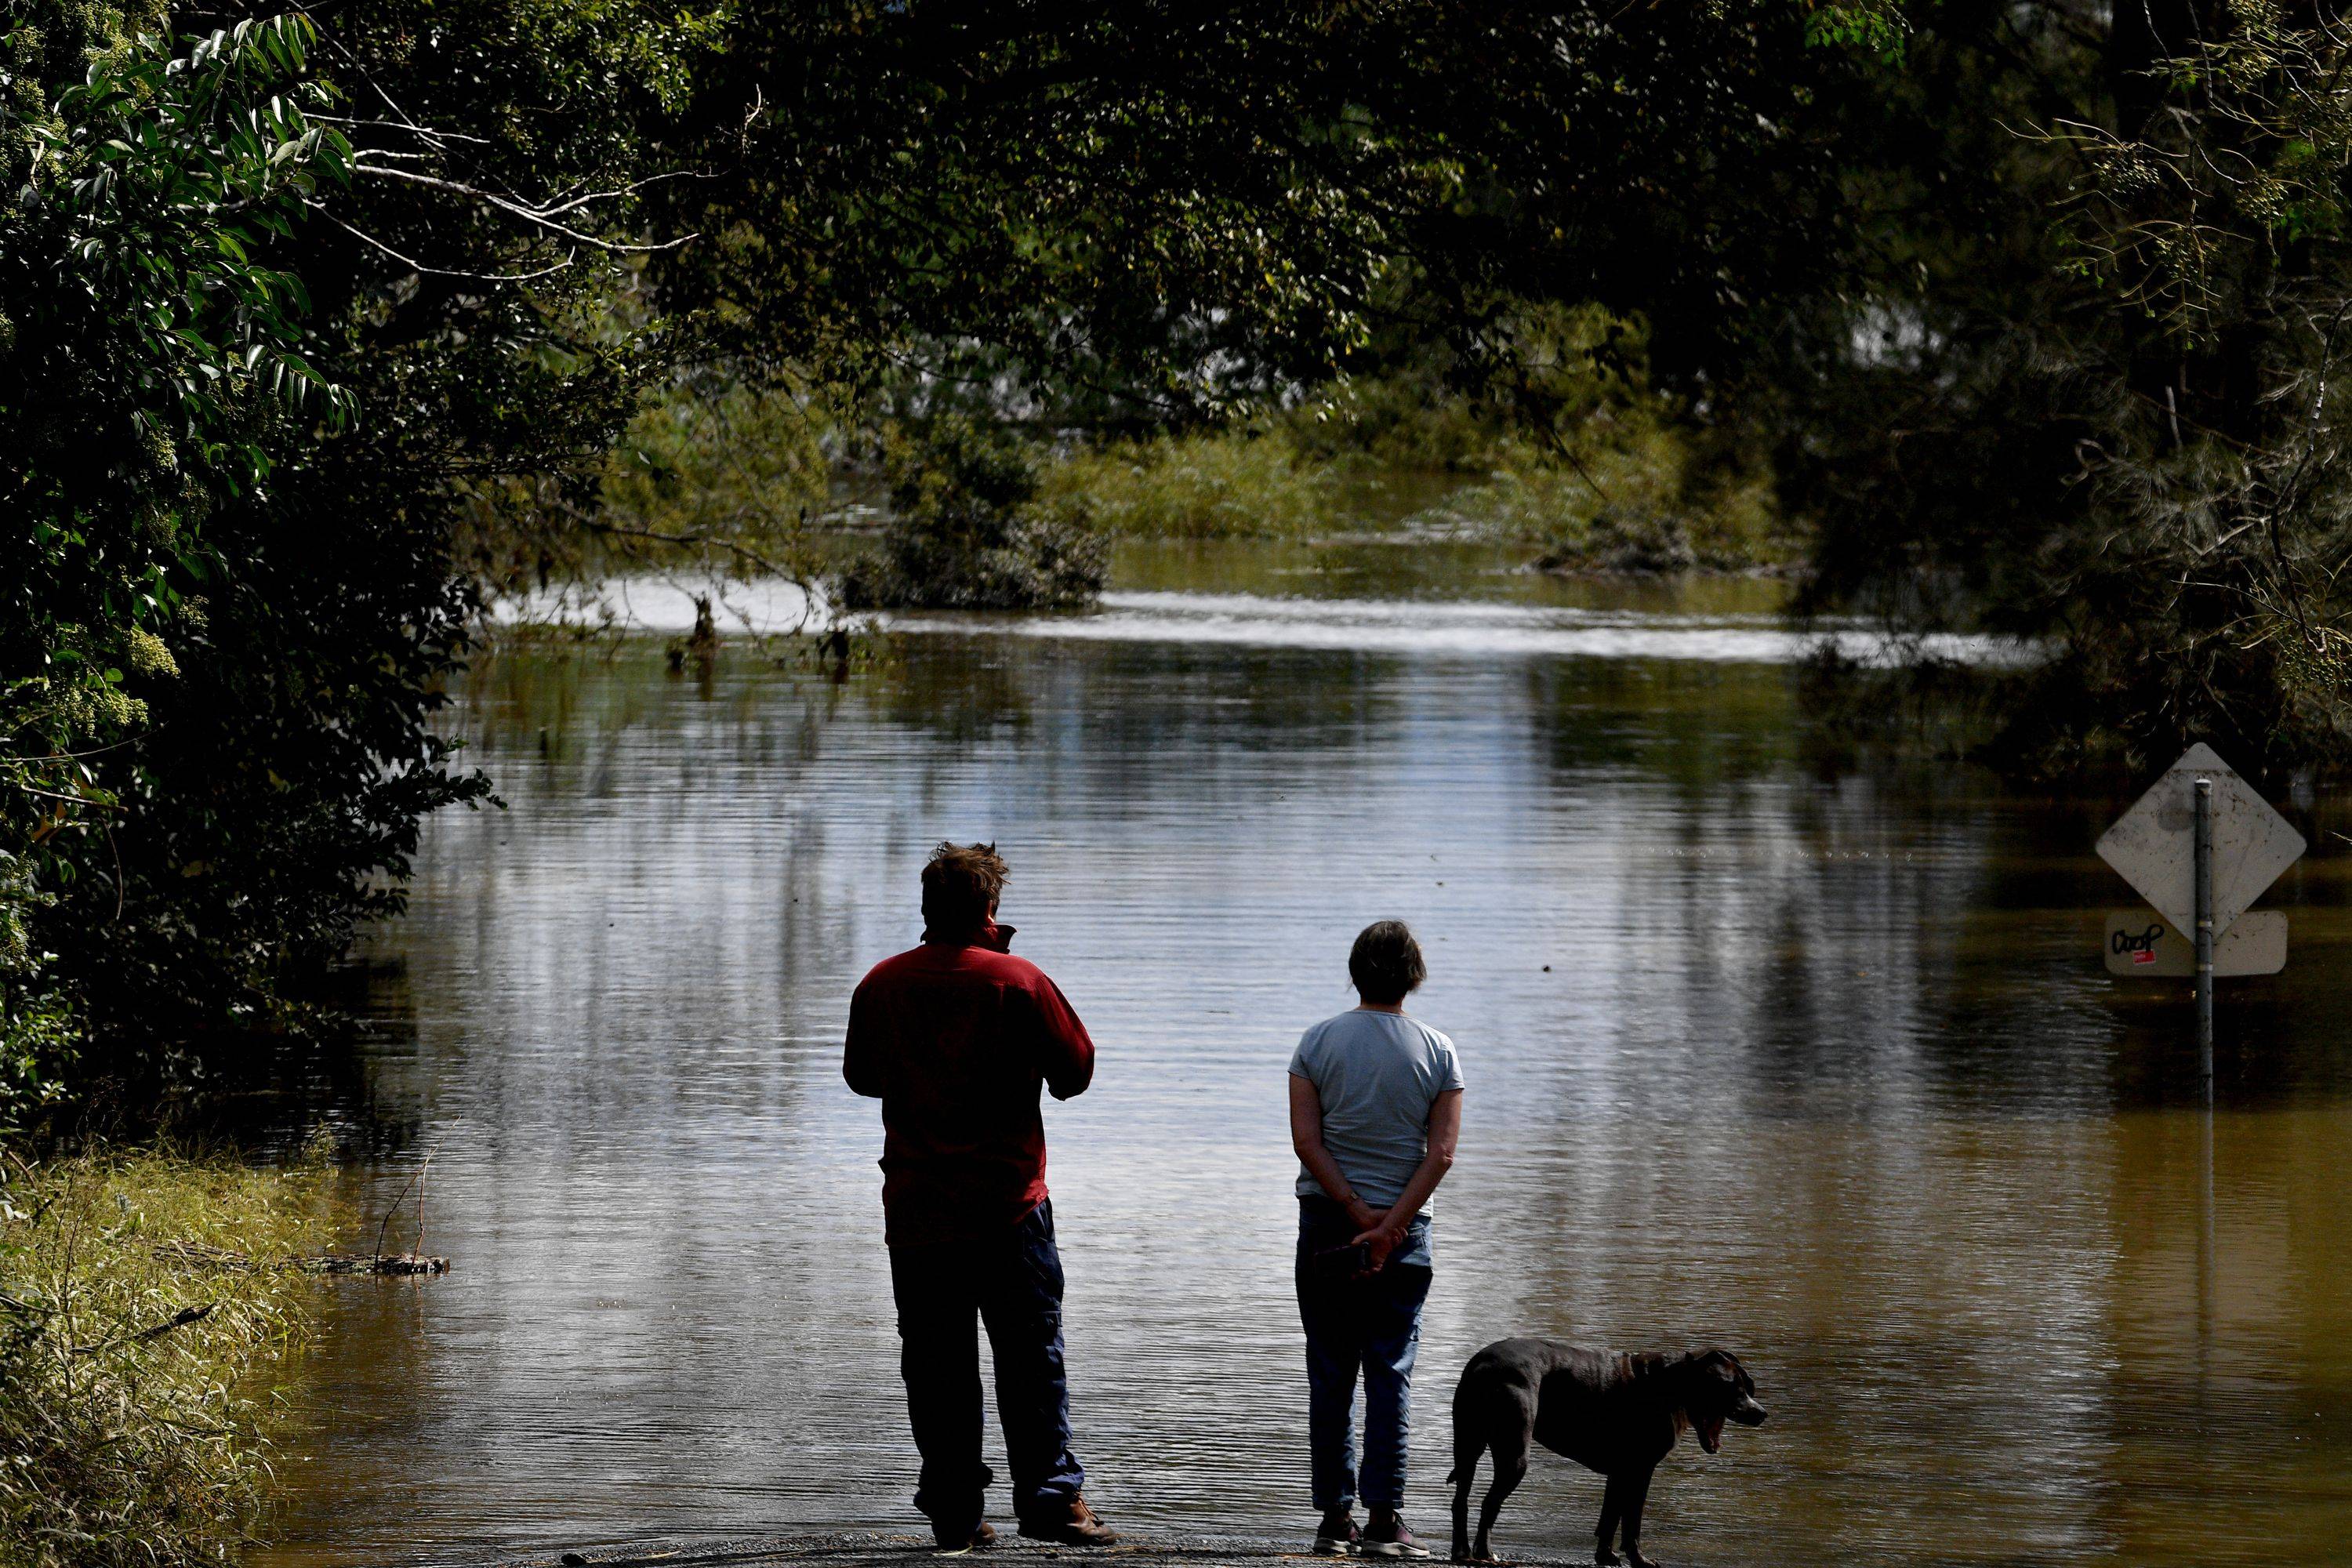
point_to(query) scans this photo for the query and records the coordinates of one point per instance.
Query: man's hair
(960, 884)
(1385, 963)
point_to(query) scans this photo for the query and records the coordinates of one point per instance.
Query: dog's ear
(1713, 1365)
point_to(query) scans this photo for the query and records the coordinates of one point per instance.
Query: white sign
(2154, 845)
(2138, 943)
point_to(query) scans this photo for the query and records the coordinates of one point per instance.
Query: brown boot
(1069, 1522)
(953, 1543)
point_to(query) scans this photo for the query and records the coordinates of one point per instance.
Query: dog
(1619, 1415)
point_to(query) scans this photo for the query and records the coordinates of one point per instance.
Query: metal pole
(2205, 933)
(2208, 1250)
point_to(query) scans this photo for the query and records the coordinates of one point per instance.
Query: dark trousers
(1012, 1281)
(1372, 1325)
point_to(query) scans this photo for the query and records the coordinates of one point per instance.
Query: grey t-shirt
(1377, 1075)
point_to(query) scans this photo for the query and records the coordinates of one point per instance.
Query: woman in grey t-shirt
(1375, 1111)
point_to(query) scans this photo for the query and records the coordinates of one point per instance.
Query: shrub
(966, 531)
(140, 1295)
(38, 1033)
(1404, 420)
(731, 471)
(1216, 484)
(1629, 496)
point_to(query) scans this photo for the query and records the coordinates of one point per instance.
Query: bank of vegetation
(150, 1310)
(974, 507)
(1617, 477)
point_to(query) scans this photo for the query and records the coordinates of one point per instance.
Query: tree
(283, 304)
(1198, 202)
(1159, 214)
(965, 532)
(151, 358)
(2099, 415)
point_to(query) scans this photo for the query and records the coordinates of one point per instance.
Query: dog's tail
(1469, 1444)
(1469, 1439)
(1465, 1464)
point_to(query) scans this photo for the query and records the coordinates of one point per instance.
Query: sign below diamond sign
(2154, 847)
(2141, 945)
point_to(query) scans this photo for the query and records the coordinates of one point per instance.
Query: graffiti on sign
(2139, 944)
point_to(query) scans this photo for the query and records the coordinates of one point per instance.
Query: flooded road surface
(1814, 1061)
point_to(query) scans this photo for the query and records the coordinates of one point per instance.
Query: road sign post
(2205, 933)
(2200, 846)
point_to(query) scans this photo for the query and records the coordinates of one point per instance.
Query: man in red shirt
(955, 1038)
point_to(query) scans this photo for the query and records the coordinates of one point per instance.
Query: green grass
(143, 1297)
(1216, 484)
(1629, 496)
(1588, 469)
(1576, 458)
(1624, 492)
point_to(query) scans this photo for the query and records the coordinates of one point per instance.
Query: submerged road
(877, 1550)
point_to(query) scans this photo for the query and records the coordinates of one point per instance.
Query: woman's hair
(1385, 963)
(960, 884)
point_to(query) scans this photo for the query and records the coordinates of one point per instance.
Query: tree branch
(411, 262)
(542, 217)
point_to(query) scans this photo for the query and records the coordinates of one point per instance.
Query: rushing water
(1815, 1063)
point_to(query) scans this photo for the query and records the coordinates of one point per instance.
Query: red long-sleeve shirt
(955, 1038)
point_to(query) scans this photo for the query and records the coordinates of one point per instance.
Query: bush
(966, 531)
(1218, 484)
(1629, 496)
(39, 1032)
(1407, 420)
(140, 1294)
(702, 458)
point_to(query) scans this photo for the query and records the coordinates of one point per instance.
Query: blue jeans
(1374, 1324)
(1012, 1283)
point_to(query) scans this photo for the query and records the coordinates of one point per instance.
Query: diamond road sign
(2153, 845)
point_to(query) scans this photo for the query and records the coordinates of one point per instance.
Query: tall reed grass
(145, 1299)
(1215, 484)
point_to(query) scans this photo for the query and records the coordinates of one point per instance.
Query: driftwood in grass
(414, 1261)
(193, 1255)
(380, 1263)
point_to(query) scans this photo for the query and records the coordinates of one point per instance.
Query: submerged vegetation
(965, 532)
(1613, 476)
(1623, 481)
(1228, 483)
(147, 1302)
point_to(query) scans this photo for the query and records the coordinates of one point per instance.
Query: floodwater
(1812, 1059)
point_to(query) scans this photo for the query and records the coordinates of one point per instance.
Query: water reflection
(1821, 1068)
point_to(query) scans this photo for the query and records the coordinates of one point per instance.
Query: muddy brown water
(1808, 1058)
